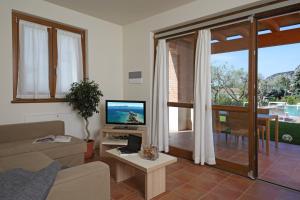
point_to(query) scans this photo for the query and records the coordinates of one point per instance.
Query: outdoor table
(266, 118)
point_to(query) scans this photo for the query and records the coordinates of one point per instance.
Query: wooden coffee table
(154, 171)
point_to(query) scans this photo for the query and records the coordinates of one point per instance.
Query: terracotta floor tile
(173, 183)
(264, 190)
(203, 182)
(197, 169)
(183, 175)
(226, 193)
(211, 196)
(190, 192)
(173, 196)
(249, 197)
(237, 183)
(133, 196)
(214, 176)
(119, 191)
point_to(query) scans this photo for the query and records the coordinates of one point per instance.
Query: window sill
(54, 100)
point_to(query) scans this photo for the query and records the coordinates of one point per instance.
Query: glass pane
(279, 98)
(231, 136)
(181, 128)
(230, 61)
(181, 69)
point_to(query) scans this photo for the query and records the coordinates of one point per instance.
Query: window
(181, 59)
(181, 70)
(47, 58)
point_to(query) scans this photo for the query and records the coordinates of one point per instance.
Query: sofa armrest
(90, 181)
(25, 131)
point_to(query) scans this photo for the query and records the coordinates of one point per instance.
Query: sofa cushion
(72, 160)
(26, 131)
(33, 161)
(53, 150)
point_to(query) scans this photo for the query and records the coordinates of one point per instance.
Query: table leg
(155, 183)
(276, 131)
(268, 137)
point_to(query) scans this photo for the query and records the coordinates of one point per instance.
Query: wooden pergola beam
(279, 38)
(243, 31)
(267, 40)
(218, 36)
(272, 25)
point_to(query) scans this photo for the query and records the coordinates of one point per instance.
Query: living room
(120, 43)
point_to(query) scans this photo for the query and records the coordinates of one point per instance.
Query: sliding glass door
(279, 99)
(231, 96)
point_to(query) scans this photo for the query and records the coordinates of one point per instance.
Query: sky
(271, 60)
(129, 104)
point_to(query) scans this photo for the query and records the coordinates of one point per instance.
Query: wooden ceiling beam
(230, 46)
(218, 36)
(271, 24)
(243, 32)
(279, 38)
(266, 40)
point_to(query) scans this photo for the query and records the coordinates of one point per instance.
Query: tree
(262, 90)
(85, 97)
(296, 82)
(229, 84)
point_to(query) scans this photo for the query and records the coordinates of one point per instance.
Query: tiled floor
(282, 166)
(186, 181)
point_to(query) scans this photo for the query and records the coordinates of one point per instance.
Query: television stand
(126, 127)
(113, 136)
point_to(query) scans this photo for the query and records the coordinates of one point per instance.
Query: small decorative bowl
(149, 152)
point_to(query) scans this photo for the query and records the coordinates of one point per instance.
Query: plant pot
(90, 149)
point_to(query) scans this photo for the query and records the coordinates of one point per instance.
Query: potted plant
(84, 97)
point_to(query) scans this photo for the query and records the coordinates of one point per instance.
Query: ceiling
(121, 11)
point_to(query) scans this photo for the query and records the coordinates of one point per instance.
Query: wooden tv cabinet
(108, 142)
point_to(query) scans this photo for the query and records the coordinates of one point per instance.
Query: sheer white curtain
(33, 74)
(69, 61)
(203, 132)
(160, 124)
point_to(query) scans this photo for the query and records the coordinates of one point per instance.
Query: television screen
(125, 112)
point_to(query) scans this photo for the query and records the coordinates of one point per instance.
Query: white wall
(138, 41)
(105, 63)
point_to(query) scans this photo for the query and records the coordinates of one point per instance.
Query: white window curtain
(33, 73)
(160, 124)
(203, 132)
(69, 61)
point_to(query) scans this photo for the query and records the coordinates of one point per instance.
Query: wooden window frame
(52, 33)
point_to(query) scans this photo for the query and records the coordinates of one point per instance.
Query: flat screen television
(125, 112)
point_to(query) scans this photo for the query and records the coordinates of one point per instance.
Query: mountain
(288, 74)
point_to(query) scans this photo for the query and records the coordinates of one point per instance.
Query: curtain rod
(212, 27)
(229, 18)
(178, 36)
